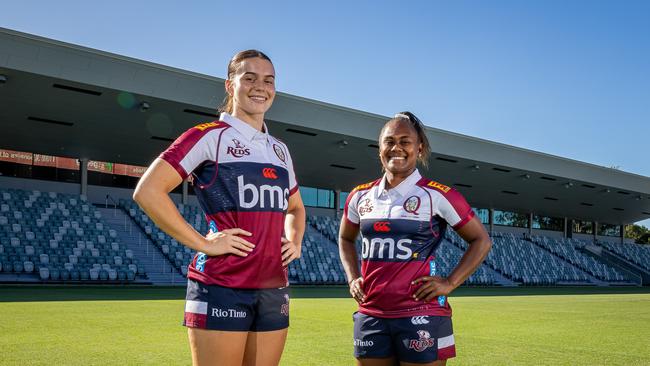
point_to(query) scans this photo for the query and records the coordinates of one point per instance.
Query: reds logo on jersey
(425, 341)
(365, 206)
(284, 309)
(238, 150)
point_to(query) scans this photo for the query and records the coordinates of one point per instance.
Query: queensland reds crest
(365, 206)
(280, 153)
(412, 204)
(425, 341)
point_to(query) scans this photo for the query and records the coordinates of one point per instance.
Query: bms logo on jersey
(265, 196)
(385, 248)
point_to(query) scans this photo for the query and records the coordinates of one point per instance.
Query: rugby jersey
(243, 178)
(401, 229)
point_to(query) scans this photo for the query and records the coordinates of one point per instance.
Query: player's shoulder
(366, 186)
(435, 186)
(277, 141)
(204, 128)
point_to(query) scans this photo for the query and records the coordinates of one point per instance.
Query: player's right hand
(228, 241)
(356, 290)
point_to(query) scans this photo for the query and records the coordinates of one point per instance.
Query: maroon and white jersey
(243, 179)
(401, 228)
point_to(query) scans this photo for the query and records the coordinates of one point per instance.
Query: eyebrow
(255, 74)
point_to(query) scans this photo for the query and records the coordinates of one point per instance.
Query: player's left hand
(432, 286)
(290, 251)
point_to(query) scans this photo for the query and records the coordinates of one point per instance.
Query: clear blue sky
(569, 78)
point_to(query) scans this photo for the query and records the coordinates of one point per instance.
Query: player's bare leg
(265, 348)
(434, 363)
(390, 361)
(214, 347)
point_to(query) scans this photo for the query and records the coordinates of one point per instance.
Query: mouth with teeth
(258, 98)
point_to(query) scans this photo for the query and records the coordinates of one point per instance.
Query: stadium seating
(524, 262)
(178, 255)
(567, 249)
(57, 237)
(635, 253)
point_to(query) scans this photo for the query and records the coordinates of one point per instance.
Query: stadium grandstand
(80, 125)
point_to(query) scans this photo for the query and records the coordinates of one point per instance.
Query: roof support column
(491, 220)
(530, 224)
(595, 223)
(83, 176)
(337, 202)
(569, 227)
(622, 234)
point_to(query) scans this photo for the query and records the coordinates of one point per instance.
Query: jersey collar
(244, 128)
(403, 188)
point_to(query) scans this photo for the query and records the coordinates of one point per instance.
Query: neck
(254, 120)
(393, 180)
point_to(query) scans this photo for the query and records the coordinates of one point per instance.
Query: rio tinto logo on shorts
(228, 313)
(238, 150)
(425, 341)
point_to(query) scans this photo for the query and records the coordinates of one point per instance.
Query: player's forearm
(470, 261)
(162, 211)
(294, 225)
(349, 259)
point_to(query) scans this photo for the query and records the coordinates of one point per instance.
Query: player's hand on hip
(228, 241)
(356, 290)
(290, 251)
(431, 287)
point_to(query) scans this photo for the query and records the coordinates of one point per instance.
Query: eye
(269, 81)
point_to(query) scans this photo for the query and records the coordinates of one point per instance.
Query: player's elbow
(140, 195)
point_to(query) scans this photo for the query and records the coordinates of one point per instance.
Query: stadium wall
(319, 211)
(96, 194)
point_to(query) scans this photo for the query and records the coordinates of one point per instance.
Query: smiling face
(252, 88)
(399, 147)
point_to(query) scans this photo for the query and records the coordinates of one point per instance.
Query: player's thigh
(434, 363)
(389, 361)
(265, 348)
(215, 347)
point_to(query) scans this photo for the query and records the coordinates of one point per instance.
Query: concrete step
(156, 265)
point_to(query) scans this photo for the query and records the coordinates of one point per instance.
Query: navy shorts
(417, 339)
(221, 308)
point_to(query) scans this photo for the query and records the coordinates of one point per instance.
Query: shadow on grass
(23, 293)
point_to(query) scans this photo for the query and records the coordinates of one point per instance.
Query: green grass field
(141, 326)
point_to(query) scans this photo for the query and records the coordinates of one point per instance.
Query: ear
(229, 87)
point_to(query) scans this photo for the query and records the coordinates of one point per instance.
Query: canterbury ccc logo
(419, 320)
(381, 226)
(269, 173)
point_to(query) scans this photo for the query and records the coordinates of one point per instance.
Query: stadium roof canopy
(67, 100)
